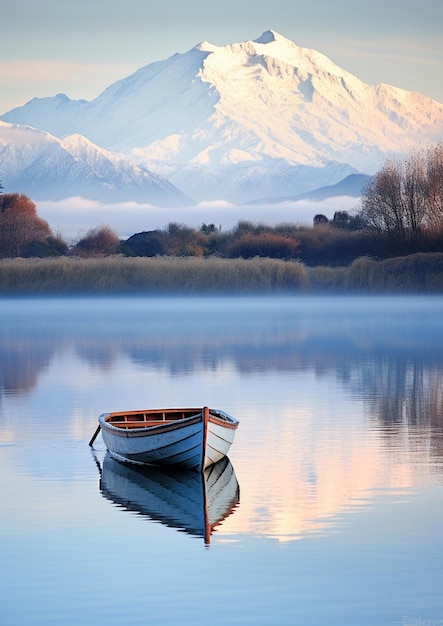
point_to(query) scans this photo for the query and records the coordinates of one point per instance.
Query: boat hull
(195, 440)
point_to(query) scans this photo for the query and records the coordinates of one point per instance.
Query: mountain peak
(268, 36)
(239, 120)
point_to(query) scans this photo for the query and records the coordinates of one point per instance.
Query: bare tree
(405, 197)
(434, 175)
(414, 195)
(381, 202)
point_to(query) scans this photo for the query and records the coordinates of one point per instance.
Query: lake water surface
(336, 474)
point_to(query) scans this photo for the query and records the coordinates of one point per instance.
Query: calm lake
(335, 476)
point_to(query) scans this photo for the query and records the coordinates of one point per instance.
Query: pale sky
(79, 47)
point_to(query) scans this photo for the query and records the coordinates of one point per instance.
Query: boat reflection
(192, 502)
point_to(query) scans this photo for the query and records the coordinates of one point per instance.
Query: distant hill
(352, 186)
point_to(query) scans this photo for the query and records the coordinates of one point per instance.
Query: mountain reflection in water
(188, 501)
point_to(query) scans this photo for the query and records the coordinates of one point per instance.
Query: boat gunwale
(222, 421)
(195, 416)
(155, 429)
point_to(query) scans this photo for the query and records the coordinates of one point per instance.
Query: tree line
(401, 213)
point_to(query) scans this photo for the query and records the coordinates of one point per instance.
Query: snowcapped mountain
(39, 164)
(244, 121)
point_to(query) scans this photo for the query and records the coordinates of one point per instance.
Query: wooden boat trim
(205, 436)
(142, 429)
(215, 419)
(166, 414)
(170, 417)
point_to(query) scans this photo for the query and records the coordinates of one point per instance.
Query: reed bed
(327, 279)
(421, 272)
(161, 275)
(149, 275)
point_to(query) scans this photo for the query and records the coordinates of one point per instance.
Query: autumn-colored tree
(264, 244)
(20, 225)
(183, 240)
(100, 241)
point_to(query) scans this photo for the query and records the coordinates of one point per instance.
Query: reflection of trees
(245, 351)
(404, 396)
(99, 354)
(401, 390)
(21, 364)
(23, 359)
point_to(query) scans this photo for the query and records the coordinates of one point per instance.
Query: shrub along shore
(192, 275)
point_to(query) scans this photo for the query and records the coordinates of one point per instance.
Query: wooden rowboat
(190, 502)
(191, 438)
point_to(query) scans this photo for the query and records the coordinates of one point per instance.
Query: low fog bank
(75, 216)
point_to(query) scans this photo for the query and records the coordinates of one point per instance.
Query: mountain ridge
(47, 168)
(245, 120)
(352, 186)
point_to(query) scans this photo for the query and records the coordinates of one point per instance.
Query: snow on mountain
(48, 114)
(247, 120)
(39, 164)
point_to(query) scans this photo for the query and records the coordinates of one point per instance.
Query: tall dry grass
(327, 279)
(161, 275)
(421, 273)
(145, 275)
